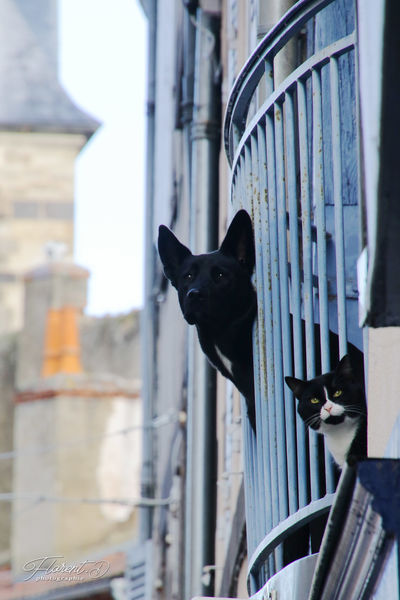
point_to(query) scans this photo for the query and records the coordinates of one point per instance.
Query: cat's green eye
(337, 393)
(314, 400)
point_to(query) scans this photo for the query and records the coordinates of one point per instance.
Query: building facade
(280, 108)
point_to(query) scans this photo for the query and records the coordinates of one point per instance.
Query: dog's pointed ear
(172, 253)
(239, 240)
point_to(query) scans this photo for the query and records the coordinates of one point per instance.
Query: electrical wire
(172, 417)
(38, 498)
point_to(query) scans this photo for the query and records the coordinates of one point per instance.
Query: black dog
(216, 294)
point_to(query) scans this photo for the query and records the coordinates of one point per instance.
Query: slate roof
(31, 97)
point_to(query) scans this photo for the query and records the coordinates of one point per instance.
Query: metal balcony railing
(295, 169)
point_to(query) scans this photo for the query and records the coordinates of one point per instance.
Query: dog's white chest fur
(339, 438)
(225, 361)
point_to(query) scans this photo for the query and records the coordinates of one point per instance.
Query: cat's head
(329, 398)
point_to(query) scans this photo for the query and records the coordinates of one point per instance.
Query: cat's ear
(172, 253)
(344, 368)
(239, 241)
(296, 385)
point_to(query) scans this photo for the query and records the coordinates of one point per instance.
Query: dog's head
(213, 288)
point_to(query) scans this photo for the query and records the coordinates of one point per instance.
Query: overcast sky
(103, 53)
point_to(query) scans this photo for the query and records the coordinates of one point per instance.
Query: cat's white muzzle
(331, 409)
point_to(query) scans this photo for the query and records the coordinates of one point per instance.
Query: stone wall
(111, 344)
(79, 441)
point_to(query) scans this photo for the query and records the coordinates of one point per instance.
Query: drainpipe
(148, 317)
(200, 508)
(189, 39)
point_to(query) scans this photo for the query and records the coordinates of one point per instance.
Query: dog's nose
(194, 294)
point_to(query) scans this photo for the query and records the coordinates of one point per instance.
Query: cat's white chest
(339, 438)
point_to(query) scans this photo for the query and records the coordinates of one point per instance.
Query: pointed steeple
(31, 96)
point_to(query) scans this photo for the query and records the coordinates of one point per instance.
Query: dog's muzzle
(194, 294)
(193, 305)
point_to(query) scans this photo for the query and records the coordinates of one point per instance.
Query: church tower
(41, 133)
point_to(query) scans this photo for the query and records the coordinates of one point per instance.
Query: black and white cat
(333, 404)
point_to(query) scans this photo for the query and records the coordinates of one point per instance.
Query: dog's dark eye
(188, 276)
(218, 275)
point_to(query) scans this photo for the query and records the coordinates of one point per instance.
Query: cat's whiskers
(313, 420)
(354, 408)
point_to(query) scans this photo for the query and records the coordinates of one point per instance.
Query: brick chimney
(55, 296)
